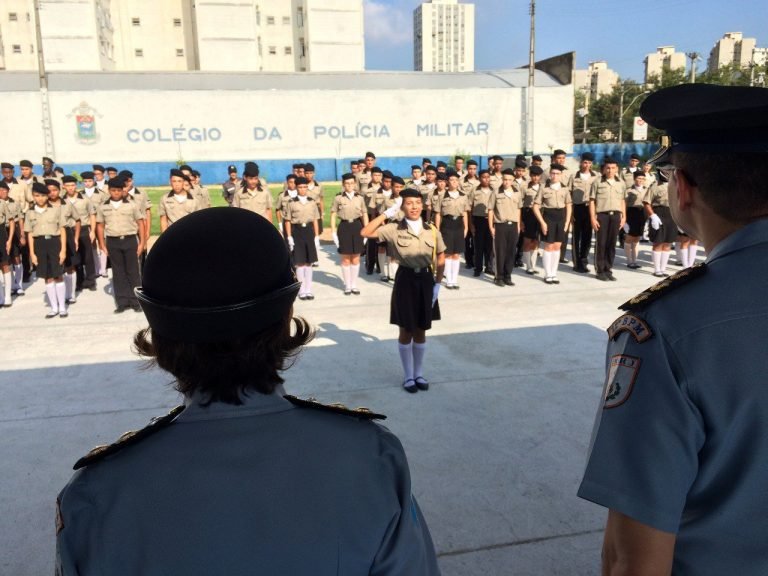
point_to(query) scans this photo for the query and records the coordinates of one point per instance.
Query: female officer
(530, 227)
(555, 200)
(419, 248)
(349, 207)
(303, 235)
(663, 230)
(452, 221)
(47, 239)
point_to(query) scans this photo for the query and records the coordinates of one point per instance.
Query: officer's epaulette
(362, 413)
(129, 438)
(664, 287)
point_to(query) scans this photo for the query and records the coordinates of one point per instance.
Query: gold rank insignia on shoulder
(665, 287)
(636, 326)
(361, 412)
(128, 438)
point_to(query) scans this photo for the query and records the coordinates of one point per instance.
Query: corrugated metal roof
(66, 81)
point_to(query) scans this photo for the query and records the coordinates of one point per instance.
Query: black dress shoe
(611, 277)
(508, 282)
(603, 277)
(421, 383)
(476, 273)
(119, 309)
(411, 388)
(498, 282)
(488, 270)
(564, 260)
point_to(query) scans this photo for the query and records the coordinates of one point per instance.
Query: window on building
(179, 52)
(13, 17)
(300, 18)
(286, 20)
(270, 20)
(136, 21)
(302, 48)
(139, 53)
(288, 51)
(17, 48)
(272, 50)
(177, 22)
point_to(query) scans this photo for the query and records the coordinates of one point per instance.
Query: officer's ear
(685, 189)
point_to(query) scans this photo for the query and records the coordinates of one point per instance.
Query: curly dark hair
(224, 371)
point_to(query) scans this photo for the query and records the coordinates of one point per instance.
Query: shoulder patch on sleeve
(665, 287)
(636, 326)
(622, 374)
(361, 412)
(129, 438)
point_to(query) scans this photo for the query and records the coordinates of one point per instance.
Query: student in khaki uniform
(663, 230)
(368, 191)
(628, 173)
(417, 176)
(470, 180)
(384, 200)
(458, 164)
(200, 192)
(495, 165)
(521, 182)
(581, 184)
(177, 203)
(288, 194)
(303, 235)
(477, 198)
(253, 196)
(72, 228)
(17, 194)
(314, 191)
(44, 226)
(99, 180)
(636, 218)
(85, 270)
(91, 192)
(145, 205)
(230, 185)
(7, 232)
(607, 215)
(119, 221)
(504, 207)
(420, 249)
(26, 179)
(427, 188)
(552, 208)
(441, 185)
(49, 172)
(467, 181)
(364, 176)
(452, 221)
(530, 228)
(349, 211)
(111, 172)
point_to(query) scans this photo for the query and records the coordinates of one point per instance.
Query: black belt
(350, 221)
(610, 212)
(507, 222)
(122, 237)
(453, 217)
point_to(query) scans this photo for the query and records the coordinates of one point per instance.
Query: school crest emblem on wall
(85, 123)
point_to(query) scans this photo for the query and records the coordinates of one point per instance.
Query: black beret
(398, 180)
(471, 162)
(52, 182)
(86, 175)
(353, 162)
(6, 166)
(25, 164)
(558, 167)
(4, 185)
(176, 172)
(296, 166)
(430, 168)
(415, 167)
(520, 163)
(520, 157)
(639, 173)
(452, 173)
(48, 159)
(110, 169)
(706, 118)
(58, 170)
(251, 169)
(536, 170)
(186, 167)
(410, 193)
(508, 172)
(588, 156)
(68, 180)
(426, 161)
(441, 164)
(442, 176)
(387, 174)
(609, 160)
(484, 171)
(370, 155)
(361, 161)
(291, 177)
(497, 157)
(347, 176)
(376, 170)
(309, 167)
(301, 180)
(195, 173)
(231, 168)
(125, 174)
(259, 295)
(38, 188)
(98, 168)
(634, 157)
(116, 182)
(536, 158)
(559, 152)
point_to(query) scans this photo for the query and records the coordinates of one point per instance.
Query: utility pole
(531, 77)
(46, 108)
(694, 56)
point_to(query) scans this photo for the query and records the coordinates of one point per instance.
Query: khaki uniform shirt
(629, 177)
(19, 193)
(49, 223)
(5, 213)
(388, 203)
(315, 191)
(369, 193)
(608, 195)
(363, 178)
(71, 215)
(478, 201)
(83, 206)
(96, 197)
(553, 198)
(284, 199)
(530, 192)
(505, 205)
(175, 210)
(302, 212)
(120, 221)
(467, 185)
(659, 195)
(636, 196)
(202, 197)
(496, 180)
(258, 201)
(426, 194)
(348, 209)
(580, 187)
(141, 199)
(454, 207)
(28, 186)
(412, 250)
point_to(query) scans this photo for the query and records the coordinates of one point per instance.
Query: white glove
(290, 243)
(365, 241)
(655, 221)
(398, 201)
(317, 242)
(392, 211)
(626, 228)
(336, 239)
(435, 292)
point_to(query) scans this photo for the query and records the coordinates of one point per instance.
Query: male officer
(607, 213)
(680, 449)
(241, 477)
(581, 184)
(231, 185)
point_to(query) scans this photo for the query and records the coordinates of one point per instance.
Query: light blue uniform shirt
(681, 439)
(265, 488)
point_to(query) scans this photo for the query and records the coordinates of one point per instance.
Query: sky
(620, 32)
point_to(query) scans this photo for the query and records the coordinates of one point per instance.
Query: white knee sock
(7, 287)
(419, 349)
(50, 291)
(534, 257)
(692, 251)
(102, 263)
(69, 285)
(383, 263)
(665, 260)
(300, 276)
(406, 359)
(308, 279)
(527, 260)
(682, 254)
(656, 261)
(345, 272)
(354, 273)
(550, 263)
(18, 274)
(61, 296)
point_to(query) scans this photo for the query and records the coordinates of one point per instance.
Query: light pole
(622, 111)
(531, 76)
(46, 109)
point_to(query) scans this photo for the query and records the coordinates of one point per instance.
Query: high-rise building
(444, 37)
(665, 58)
(597, 80)
(732, 48)
(178, 35)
